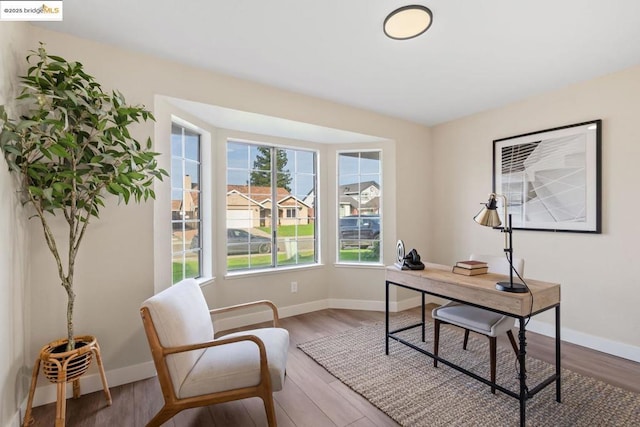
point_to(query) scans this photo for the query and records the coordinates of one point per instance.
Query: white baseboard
(226, 323)
(90, 383)
(46, 393)
(604, 345)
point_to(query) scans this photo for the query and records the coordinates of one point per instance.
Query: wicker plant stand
(61, 368)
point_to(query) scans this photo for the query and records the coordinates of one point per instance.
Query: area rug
(407, 387)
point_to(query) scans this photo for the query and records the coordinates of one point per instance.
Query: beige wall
(597, 272)
(115, 269)
(14, 330)
(434, 182)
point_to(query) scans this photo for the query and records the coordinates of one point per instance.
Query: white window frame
(317, 248)
(380, 262)
(163, 277)
(183, 217)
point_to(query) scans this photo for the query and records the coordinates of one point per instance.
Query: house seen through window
(359, 202)
(186, 223)
(270, 206)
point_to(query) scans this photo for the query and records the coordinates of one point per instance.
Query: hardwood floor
(311, 396)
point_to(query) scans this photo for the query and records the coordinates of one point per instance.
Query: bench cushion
(474, 318)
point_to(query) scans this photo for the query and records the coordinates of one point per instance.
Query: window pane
(186, 226)
(192, 171)
(177, 173)
(255, 202)
(192, 145)
(238, 177)
(237, 155)
(359, 200)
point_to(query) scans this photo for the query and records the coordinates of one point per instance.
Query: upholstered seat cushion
(237, 365)
(474, 318)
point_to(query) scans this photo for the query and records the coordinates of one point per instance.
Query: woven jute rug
(407, 387)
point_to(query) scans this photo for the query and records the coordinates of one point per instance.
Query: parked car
(359, 231)
(241, 242)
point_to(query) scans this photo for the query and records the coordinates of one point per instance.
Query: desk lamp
(489, 217)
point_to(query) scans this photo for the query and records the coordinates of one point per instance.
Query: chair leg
(514, 345)
(436, 340)
(492, 355)
(512, 340)
(270, 410)
(466, 339)
(162, 416)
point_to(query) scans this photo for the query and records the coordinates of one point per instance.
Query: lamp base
(511, 287)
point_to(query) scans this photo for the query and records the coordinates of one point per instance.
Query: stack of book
(470, 268)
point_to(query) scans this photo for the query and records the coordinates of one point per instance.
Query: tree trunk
(71, 297)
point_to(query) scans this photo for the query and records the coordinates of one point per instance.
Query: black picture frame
(552, 178)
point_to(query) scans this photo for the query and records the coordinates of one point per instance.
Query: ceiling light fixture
(408, 22)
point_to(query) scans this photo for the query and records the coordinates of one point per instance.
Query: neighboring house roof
(355, 187)
(262, 195)
(256, 195)
(374, 203)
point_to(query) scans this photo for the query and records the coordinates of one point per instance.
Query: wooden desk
(480, 291)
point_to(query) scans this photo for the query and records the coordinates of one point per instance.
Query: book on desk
(471, 267)
(470, 271)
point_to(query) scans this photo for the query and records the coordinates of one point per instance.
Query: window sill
(279, 270)
(375, 266)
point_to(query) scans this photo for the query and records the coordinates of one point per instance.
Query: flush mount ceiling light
(408, 22)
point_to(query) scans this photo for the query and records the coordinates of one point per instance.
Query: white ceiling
(477, 55)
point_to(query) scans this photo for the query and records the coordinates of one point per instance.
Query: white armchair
(194, 369)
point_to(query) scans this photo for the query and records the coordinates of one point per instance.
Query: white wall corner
(15, 420)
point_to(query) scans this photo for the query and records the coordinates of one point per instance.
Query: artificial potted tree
(70, 147)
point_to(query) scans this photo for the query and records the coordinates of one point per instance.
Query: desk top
(480, 290)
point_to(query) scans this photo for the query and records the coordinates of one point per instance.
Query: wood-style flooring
(311, 396)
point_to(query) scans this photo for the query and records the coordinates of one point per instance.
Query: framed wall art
(551, 178)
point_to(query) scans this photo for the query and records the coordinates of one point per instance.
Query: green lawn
(264, 260)
(192, 270)
(290, 230)
(239, 262)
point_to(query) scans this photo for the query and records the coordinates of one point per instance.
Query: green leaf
(115, 188)
(59, 150)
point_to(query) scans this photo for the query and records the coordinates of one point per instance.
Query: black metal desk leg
(558, 370)
(386, 319)
(423, 324)
(523, 371)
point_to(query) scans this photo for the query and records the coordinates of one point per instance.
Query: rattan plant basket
(59, 365)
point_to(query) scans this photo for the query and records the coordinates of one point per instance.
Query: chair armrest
(223, 341)
(268, 303)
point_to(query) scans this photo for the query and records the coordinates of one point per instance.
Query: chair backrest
(499, 264)
(180, 316)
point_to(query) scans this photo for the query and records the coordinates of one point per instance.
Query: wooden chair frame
(173, 404)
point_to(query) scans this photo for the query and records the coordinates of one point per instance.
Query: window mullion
(275, 210)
